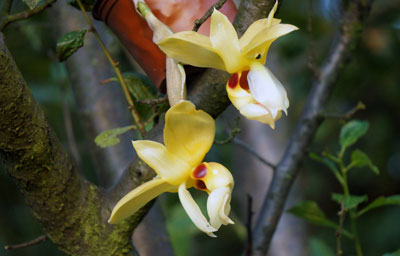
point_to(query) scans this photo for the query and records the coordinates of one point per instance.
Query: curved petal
(218, 207)
(260, 114)
(194, 212)
(266, 89)
(191, 48)
(137, 198)
(188, 133)
(169, 167)
(265, 37)
(225, 42)
(272, 14)
(255, 29)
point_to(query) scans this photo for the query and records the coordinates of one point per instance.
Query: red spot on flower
(243, 81)
(200, 171)
(200, 185)
(233, 81)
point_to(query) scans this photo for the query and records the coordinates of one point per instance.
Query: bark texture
(73, 211)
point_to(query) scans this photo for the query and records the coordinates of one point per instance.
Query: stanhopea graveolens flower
(252, 89)
(188, 136)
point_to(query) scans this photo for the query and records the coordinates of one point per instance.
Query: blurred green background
(372, 76)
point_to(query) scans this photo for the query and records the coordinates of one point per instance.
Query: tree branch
(25, 14)
(72, 211)
(288, 167)
(197, 23)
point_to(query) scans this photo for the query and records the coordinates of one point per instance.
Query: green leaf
(140, 89)
(349, 202)
(351, 132)
(329, 163)
(360, 159)
(381, 201)
(310, 211)
(109, 138)
(323, 160)
(31, 3)
(70, 43)
(136, 86)
(318, 247)
(396, 253)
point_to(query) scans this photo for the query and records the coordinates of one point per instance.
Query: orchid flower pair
(252, 89)
(189, 133)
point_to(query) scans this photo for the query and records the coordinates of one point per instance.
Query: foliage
(70, 43)
(350, 133)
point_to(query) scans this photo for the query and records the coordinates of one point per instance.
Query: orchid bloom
(252, 89)
(188, 136)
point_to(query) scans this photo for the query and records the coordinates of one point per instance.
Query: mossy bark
(73, 211)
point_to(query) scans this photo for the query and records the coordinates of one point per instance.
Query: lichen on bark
(72, 211)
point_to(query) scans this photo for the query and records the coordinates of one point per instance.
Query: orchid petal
(218, 207)
(170, 168)
(265, 37)
(254, 110)
(224, 41)
(194, 212)
(266, 89)
(188, 133)
(137, 198)
(191, 48)
(259, 113)
(254, 30)
(272, 14)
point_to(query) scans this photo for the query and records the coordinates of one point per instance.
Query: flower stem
(117, 70)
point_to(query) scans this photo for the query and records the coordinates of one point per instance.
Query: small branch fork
(347, 115)
(37, 240)
(197, 23)
(22, 15)
(117, 70)
(253, 152)
(232, 138)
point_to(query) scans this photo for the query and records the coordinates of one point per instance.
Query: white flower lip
(267, 89)
(218, 207)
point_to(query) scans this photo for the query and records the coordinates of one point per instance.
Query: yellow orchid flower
(253, 89)
(188, 136)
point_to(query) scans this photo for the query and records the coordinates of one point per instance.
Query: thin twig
(235, 131)
(347, 115)
(24, 14)
(339, 231)
(249, 225)
(288, 168)
(311, 55)
(117, 70)
(197, 23)
(7, 6)
(154, 101)
(253, 152)
(37, 240)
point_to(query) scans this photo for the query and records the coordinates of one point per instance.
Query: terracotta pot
(136, 36)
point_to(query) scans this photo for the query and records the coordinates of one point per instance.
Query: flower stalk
(131, 106)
